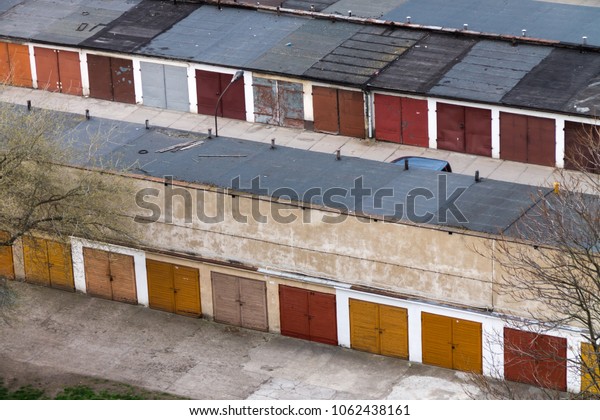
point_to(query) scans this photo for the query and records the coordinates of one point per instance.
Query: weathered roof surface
(547, 20)
(424, 64)
(301, 49)
(7, 4)
(319, 5)
(489, 71)
(553, 83)
(368, 9)
(364, 54)
(138, 26)
(229, 37)
(587, 100)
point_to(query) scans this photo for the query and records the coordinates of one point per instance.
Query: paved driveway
(68, 333)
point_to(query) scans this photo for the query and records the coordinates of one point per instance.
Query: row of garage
(504, 133)
(338, 315)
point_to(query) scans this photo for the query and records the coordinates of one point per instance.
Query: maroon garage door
(464, 129)
(527, 139)
(308, 315)
(58, 71)
(535, 359)
(339, 111)
(582, 146)
(111, 78)
(209, 86)
(401, 120)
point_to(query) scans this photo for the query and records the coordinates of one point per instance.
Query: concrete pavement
(298, 138)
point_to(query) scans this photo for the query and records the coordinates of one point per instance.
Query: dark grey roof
(553, 83)
(424, 64)
(587, 100)
(7, 4)
(228, 37)
(364, 54)
(319, 5)
(542, 19)
(368, 9)
(489, 71)
(138, 26)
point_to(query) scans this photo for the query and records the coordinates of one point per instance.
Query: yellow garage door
(451, 342)
(590, 369)
(7, 269)
(377, 328)
(48, 263)
(174, 288)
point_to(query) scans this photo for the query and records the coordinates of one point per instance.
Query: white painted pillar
(573, 368)
(415, 349)
(343, 317)
(308, 103)
(370, 113)
(193, 95)
(560, 142)
(249, 96)
(432, 122)
(85, 77)
(496, 133)
(492, 339)
(33, 67)
(137, 81)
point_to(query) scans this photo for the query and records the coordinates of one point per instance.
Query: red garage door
(401, 120)
(527, 139)
(58, 71)
(582, 146)
(111, 78)
(535, 359)
(339, 111)
(210, 85)
(308, 315)
(464, 129)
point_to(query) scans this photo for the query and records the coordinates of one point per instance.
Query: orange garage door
(590, 369)
(451, 342)
(109, 275)
(15, 68)
(174, 288)
(380, 329)
(48, 263)
(7, 269)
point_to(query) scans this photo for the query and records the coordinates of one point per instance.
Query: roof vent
(584, 40)
(524, 32)
(477, 179)
(466, 26)
(338, 155)
(407, 19)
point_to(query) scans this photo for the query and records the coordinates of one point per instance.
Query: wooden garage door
(325, 109)
(352, 113)
(15, 67)
(210, 85)
(464, 129)
(308, 315)
(451, 342)
(581, 140)
(339, 111)
(380, 329)
(173, 288)
(111, 78)
(536, 359)
(110, 275)
(58, 70)
(401, 120)
(48, 263)
(7, 269)
(240, 301)
(590, 369)
(527, 139)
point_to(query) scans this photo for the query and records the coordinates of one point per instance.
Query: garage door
(308, 315)
(174, 288)
(339, 111)
(15, 67)
(110, 275)
(48, 263)
(210, 85)
(401, 120)
(58, 70)
(7, 269)
(581, 140)
(527, 139)
(111, 78)
(590, 369)
(380, 329)
(239, 301)
(278, 103)
(535, 359)
(165, 86)
(464, 129)
(451, 342)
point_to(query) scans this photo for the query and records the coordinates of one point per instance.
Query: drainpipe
(368, 112)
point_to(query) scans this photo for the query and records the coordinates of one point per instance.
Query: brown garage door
(464, 129)
(210, 85)
(111, 78)
(380, 329)
(48, 263)
(339, 111)
(308, 315)
(527, 139)
(110, 275)
(590, 369)
(173, 288)
(15, 67)
(401, 120)
(240, 301)
(58, 70)
(451, 342)
(7, 269)
(582, 142)
(535, 359)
